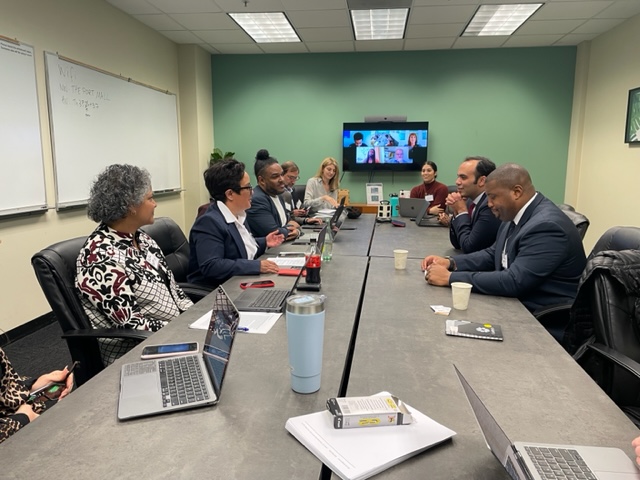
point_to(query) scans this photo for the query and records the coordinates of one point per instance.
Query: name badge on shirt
(428, 198)
(287, 206)
(153, 260)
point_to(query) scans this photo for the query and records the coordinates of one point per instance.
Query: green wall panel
(512, 105)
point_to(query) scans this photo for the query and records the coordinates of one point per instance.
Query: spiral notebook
(464, 328)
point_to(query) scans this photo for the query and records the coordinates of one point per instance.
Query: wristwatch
(452, 263)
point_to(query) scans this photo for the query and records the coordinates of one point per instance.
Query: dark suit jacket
(217, 250)
(475, 232)
(263, 217)
(545, 259)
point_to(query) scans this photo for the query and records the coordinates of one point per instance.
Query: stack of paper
(250, 322)
(359, 453)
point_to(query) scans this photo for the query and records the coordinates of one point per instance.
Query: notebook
(520, 459)
(410, 207)
(464, 328)
(146, 387)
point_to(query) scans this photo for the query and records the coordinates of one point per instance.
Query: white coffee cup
(400, 258)
(461, 291)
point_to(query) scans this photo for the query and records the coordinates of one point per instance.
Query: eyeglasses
(247, 187)
(293, 177)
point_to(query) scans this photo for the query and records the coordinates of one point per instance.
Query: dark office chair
(202, 209)
(579, 220)
(559, 319)
(175, 247)
(55, 268)
(607, 310)
(452, 188)
(298, 194)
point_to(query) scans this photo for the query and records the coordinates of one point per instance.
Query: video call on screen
(387, 146)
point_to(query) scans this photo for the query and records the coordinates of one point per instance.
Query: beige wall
(603, 171)
(96, 33)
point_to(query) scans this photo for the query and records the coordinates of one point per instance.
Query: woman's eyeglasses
(247, 187)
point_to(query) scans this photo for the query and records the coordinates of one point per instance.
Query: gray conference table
(533, 388)
(243, 437)
(419, 241)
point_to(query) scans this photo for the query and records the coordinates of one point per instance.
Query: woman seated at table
(122, 275)
(431, 190)
(322, 189)
(15, 409)
(221, 246)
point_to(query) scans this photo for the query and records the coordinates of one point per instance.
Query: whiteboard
(98, 119)
(22, 185)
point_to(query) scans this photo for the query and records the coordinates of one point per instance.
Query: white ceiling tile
(133, 7)
(441, 43)
(531, 41)
(240, 48)
(436, 30)
(597, 26)
(238, 6)
(223, 36)
(208, 48)
(330, 46)
(323, 34)
(547, 27)
(312, 19)
(181, 36)
(204, 21)
(480, 42)
(159, 22)
(284, 47)
(452, 14)
(185, 6)
(572, 39)
(291, 5)
(621, 9)
(378, 45)
(570, 10)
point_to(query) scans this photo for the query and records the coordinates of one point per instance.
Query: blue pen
(242, 329)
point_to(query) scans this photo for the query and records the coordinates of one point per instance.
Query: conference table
(380, 334)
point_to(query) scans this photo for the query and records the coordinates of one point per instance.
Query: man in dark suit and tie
(472, 226)
(537, 257)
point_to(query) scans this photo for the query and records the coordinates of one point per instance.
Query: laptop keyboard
(270, 299)
(182, 381)
(559, 463)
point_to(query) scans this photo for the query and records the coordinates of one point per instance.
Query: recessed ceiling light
(272, 27)
(379, 24)
(499, 19)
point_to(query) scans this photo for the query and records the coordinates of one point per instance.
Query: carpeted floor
(39, 352)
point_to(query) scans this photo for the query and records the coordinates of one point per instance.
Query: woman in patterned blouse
(15, 412)
(122, 275)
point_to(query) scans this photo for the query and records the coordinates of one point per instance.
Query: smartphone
(259, 284)
(52, 390)
(168, 350)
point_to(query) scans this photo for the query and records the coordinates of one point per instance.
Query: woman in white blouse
(322, 189)
(221, 246)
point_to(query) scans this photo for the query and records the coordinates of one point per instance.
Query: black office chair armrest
(553, 311)
(555, 319)
(195, 292)
(126, 333)
(618, 358)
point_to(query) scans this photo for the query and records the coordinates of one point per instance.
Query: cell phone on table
(52, 390)
(168, 350)
(259, 284)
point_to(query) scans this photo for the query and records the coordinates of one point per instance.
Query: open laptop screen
(219, 339)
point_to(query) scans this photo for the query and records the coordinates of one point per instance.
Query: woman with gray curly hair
(122, 275)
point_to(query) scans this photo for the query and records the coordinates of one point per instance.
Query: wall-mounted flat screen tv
(391, 146)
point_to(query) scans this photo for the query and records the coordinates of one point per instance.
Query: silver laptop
(410, 207)
(338, 216)
(262, 299)
(539, 461)
(156, 386)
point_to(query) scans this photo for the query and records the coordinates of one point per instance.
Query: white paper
(255, 322)
(288, 261)
(359, 453)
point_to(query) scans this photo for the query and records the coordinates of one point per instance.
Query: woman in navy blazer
(221, 246)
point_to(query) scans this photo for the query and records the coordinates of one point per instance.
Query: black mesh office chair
(579, 220)
(298, 194)
(175, 247)
(55, 269)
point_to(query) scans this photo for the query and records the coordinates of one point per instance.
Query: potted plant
(217, 155)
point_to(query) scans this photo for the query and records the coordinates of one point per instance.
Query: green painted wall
(512, 105)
